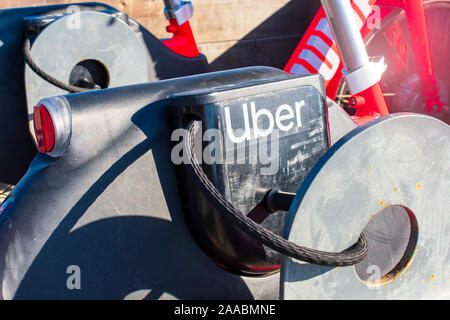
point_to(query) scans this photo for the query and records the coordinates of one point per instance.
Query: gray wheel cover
(401, 159)
(100, 36)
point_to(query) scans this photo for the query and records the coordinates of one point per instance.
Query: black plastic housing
(248, 164)
(111, 206)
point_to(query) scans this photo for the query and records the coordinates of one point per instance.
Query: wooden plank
(213, 20)
(5, 4)
(229, 32)
(228, 20)
(150, 13)
(273, 52)
(234, 19)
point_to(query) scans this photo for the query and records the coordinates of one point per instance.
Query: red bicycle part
(182, 41)
(361, 73)
(420, 39)
(317, 52)
(307, 61)
(414, 10)
(394, 36)
(415, 15)
(370, 104)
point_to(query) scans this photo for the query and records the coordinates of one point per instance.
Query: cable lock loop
(44, 75)
(348, 257)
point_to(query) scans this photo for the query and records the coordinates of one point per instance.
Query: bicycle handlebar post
(346, 33)
(172, 4)
(361, 73)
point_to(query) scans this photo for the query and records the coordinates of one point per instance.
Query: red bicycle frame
(317, 52)
(182, 41)
(178, 13)
(415, 15)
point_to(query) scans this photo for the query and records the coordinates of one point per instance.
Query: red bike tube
(182, 41)
(415, 15)
(370, 104)
(316, 53)
(305, 61)
(361, 73)
(178, 12)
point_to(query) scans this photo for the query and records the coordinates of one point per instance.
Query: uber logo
(285, 118)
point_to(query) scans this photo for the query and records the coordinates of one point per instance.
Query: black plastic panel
(284, 131)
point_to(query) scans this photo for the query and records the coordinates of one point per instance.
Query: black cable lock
(349, 257)
(232, 207)
(48, 77)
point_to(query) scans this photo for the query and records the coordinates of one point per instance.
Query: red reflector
(43, 129)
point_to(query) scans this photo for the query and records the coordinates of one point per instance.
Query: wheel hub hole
(392, 237)
(89, 74)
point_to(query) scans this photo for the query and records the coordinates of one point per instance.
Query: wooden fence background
(231, 33)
